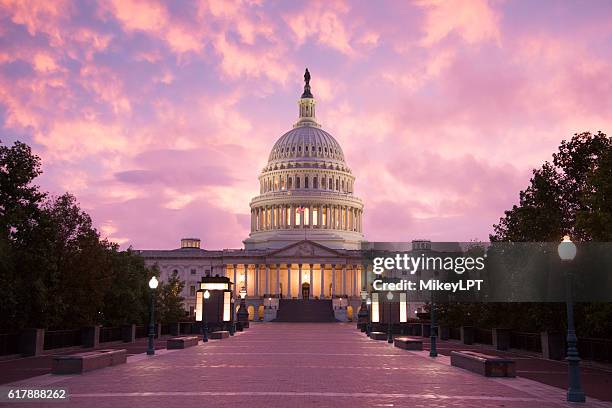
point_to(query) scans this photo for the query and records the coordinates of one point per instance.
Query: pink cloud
(473, 20)
(160, 116)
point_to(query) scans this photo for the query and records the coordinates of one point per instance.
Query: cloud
(473, 21)
(153, 17)
(160, 116)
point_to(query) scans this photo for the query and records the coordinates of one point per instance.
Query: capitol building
(306, 229)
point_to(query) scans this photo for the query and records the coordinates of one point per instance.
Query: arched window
(315, 182)
(290, 183)
(337, 184)
(343, 185)
(306, 182)
(331, 184)
(297, 182)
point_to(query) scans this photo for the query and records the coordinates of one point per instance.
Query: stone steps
(300, 310)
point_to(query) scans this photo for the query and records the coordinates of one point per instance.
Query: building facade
(306, 227)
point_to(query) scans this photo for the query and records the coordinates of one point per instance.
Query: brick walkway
(291, 364)
(20, 368)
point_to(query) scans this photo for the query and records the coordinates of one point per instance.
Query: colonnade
(286, 280)
(323, 216)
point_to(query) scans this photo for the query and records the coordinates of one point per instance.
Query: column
(257, 280)
(283, 216)
(355, 293)
(300, 278)
(320, 216)
(310, 217)
(246, 278)
(321, 208)
(292, 216)
(322, 291)
(267, 279)
(234, 266)
(361, 221)
(344, 279)
(273, 217)
(310, 275)
(289, 280)
(333, 280)
(302, 217)
(346, 217)
(278, 288)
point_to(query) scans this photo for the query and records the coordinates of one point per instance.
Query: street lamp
(390, 326)
(206, 296)
(153, 283)
(567, 253)
(243, 314)
(362, 316)
(368, 327)
(433, 352)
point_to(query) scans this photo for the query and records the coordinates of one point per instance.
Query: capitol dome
(306, 142)
(306, 189)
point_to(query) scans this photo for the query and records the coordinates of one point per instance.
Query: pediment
(305, 249)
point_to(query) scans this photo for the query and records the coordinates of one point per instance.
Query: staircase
(300, 310)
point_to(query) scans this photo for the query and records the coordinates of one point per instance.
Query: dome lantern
(307, 105)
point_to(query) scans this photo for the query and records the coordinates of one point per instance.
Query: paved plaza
(291, 364)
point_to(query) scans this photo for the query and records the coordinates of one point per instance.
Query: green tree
(55, 271)
(568, 196)
(170, 300)
(572, 195)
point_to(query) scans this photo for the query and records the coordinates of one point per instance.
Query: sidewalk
(596, 379)
(294, 365)
(20, 368)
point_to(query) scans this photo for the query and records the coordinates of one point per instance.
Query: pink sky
(159, 116)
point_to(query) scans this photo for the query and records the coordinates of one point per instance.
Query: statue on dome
(307, 77)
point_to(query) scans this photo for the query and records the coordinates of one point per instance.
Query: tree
(571, 196)
(55, 270)
(170, 300)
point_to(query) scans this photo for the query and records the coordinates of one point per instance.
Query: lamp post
(390, 325)
(433, 352)
(151, 347)
(232, 325)
(362, 316)
(206, 296)
(567, 253)
(243, 314)
(368, 325)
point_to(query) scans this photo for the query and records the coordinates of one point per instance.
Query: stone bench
(87, 361)
(176, 343)
(408, 343)
(218, 335)
(484, 364)
(377, 335)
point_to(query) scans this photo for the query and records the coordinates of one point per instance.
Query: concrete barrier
(408, 343)
(483, 364)
(218, 335)
(176, 343)
(87, 361)
(377, 335)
